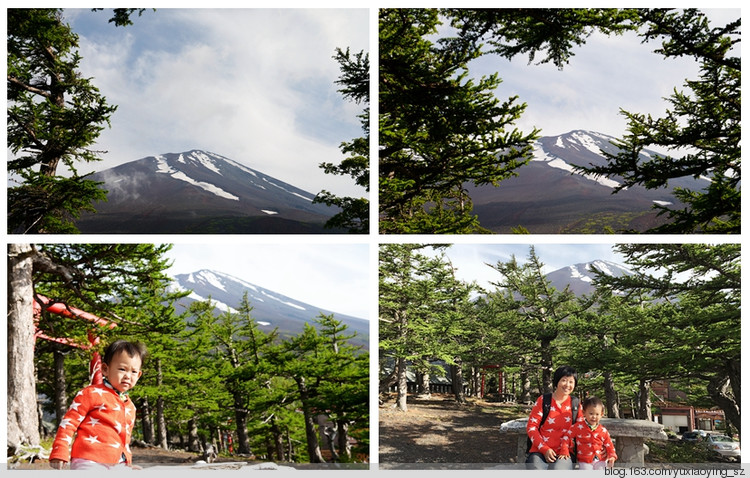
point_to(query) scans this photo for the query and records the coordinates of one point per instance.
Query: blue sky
(605, 74)
(471, 259)
(332, 276)
(255, 85)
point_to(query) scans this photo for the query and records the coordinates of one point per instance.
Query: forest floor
(439, 430)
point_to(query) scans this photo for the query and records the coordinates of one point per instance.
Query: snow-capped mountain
(200, 192)
(547, 196)
(580, 277)
(271, 310)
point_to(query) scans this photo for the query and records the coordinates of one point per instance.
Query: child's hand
(610, 462)
(57, 464)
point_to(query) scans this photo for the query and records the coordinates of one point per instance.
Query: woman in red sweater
(101, 416)
(550, 441)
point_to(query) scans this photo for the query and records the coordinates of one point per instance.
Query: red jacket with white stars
(555, 432)
(592, 444)
(103, 421)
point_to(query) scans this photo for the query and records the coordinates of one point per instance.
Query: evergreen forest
(208, 378)
(675, 319)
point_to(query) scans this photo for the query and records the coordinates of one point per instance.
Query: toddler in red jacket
(102, 416)
(594, 448)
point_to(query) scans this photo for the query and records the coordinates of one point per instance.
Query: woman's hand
(550, 455)
(57, 464)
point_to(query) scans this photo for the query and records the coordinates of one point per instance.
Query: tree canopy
(355, 86)
(430, 150)
(675, 317)
(55, 115)
(208, 375)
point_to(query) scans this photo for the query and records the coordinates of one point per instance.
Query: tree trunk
(384, 385)
(240, 415)
(194, 443)
(23, 422)
(146, 421)
(546, 363)
(402, 391)
(61, 392)
(269, 449)
(330, 434)
(457, 382)
(289, 446)
(313, 445)
(610, 394)
(424, 384)
(345, 449)
(525, 383)
(161, 422)
(720, 393)
(644, 399)
(278, 440)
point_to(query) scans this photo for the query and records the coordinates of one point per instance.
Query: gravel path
(438, 430)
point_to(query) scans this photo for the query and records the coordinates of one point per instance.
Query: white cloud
(256, 86)
(605, 74)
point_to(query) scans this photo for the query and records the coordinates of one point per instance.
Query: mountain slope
(200, 192)
(271, 310)
(548, 197)
(580, 277)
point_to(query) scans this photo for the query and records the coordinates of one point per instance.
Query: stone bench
(629, 437)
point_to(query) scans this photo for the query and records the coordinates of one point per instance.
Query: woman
(550, 436)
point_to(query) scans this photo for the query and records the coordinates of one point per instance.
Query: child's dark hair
(131, 348)
(564, 371)
(592, 401)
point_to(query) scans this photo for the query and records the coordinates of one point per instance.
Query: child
(593, 443)
(102, 415)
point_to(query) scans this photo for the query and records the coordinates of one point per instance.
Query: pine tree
(235, 347)
(54, 116)
(439, 129)
(84, 275)
(536, 310)
(355, 82)
(687, 322)
(701, 130)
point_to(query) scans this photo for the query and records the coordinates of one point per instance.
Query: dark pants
(536, 461)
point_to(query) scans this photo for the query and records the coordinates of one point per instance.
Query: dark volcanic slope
(548, 197)
(200, 192)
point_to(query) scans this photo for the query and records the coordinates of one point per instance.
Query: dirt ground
(147, 457)
(438, 430)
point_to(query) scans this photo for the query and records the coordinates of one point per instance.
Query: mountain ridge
(549, 197)
(271, 309)
(200, 192)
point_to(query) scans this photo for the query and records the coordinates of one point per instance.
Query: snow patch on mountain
(270, 213)
(207, 277)
(586, 140)
(576, 274)
(288, 191)
(282, 301)
(164, 168)
(609, 268)
(539, 154)
(219, 305)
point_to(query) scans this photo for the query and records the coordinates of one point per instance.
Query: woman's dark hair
(564, 371)
(592, 402)
(132, 349)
